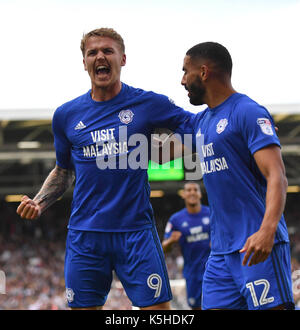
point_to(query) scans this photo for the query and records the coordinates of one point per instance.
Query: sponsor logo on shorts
(192, 301)
(70, 295)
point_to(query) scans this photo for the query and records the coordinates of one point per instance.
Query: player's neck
(218, 93)
(195, 208)
(100, 94)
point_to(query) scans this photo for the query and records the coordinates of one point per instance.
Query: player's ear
(123, 61)
(204, 71)
(84, 64)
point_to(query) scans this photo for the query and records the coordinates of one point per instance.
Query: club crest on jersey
(221, 125)
(265, 126)
(126, 116)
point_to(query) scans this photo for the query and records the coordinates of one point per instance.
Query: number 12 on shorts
(154, 282)
(263, 300)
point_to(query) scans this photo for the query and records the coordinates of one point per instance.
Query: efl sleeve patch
(265, 126)
(168, 227)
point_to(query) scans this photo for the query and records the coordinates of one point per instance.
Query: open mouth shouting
(102, 71)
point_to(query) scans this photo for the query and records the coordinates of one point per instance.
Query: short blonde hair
(102, 32)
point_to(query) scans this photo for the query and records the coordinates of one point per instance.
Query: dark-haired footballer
(244, 176)
(190, 227)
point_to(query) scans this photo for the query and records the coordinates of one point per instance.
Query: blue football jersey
(89, 135)
(195, 239)
(226, 138)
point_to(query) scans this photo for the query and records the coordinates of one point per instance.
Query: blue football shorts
(227, 284)
(194, 291)
(136, 257)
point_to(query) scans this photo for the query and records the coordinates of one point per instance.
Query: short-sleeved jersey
(195, 239)
(226, 139)
(97, 140)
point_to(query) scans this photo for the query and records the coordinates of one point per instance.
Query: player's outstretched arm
(57, 182)
(167, 243)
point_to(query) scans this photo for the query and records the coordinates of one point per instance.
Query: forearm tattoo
(57, 182)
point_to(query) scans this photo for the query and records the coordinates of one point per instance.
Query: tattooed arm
(57, 182)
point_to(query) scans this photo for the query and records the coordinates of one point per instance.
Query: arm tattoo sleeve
(57, 182)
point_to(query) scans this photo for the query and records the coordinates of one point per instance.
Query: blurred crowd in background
(32, 257)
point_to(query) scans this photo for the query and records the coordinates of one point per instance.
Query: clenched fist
(28, 209)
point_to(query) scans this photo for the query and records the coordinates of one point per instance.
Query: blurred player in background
(111, 226)
(191, 228)
(244, 176)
